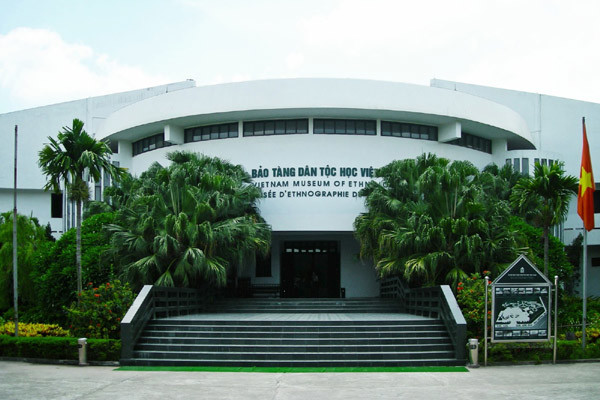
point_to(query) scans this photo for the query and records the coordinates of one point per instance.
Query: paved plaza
(19, 380)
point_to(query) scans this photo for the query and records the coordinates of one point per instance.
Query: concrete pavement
(19, 380)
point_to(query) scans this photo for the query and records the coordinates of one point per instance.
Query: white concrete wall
(34, 127)
(556, 127)
(321, 151)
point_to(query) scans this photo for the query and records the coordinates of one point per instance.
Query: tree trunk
(546, 249)
(78, 250)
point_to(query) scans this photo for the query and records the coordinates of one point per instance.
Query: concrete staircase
(296, 333)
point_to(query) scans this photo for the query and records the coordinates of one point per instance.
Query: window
(525, 166)
(211, 132)
(276, 127)
(97, 191)
(56, 205)
(263, 266)
(412, 131)
(344, 127)
(476, 143)
(150, 143)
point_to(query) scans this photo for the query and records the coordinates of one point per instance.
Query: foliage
(72, 159)
(543, 199)
(531, 238)
(99, 311)
(55, 268)
(470, 296)
(31, 330)
(186, 224)
(570, 313)
(433, 221)
(58, 348)
(538, 352)
(30, 236)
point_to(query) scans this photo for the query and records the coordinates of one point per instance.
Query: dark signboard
(521, 304)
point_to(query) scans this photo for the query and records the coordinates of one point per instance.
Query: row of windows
(522, 164)
(149, 143)
(474, 142)
(277, 127)
(413, 131)
(320, 126)
(211, 132)
(344, 127)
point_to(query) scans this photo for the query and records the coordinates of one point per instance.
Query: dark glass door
(310, 269)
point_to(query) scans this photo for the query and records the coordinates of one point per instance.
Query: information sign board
(521, 304)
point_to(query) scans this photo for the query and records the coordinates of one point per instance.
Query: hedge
(538, 352)
(59, 348)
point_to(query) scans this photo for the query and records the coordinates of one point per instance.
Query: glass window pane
(302, 126)
(386, 128)
(279, 127)
(370, 128)
(248, 129)
(360, 127)
(318, 126)
(525, 166)
(405, 130)
(329, 126)
(269, 128)
(291, 126)
(340, 126)
(259, 128)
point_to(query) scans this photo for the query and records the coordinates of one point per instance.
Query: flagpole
(584, 284)
(15, 244)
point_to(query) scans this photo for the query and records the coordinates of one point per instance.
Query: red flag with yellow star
(585, 197)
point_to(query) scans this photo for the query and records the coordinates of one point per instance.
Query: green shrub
(55, 273)
(100, 310)
(471, 299)
(58, 348)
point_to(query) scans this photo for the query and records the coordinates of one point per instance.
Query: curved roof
(306, 97)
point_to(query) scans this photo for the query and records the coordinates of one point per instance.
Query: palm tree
(73, 158)
(432, 221)
(544, 199)
(188, 223)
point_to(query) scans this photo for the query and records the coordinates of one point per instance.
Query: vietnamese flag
(585, 197)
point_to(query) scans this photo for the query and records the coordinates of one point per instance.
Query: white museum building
(310, 145)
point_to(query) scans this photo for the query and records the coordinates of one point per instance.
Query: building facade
(310, 146)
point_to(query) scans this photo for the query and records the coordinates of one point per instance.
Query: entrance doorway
(310, 269)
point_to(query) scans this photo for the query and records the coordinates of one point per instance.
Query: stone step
(261, 341)
(293, 348)
(341, 356)
(449, 361)
(298, 334)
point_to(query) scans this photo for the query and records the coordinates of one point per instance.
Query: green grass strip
(294, 369)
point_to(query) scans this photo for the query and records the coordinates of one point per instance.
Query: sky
(59, 50)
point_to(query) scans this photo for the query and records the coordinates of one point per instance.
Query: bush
(471, 299)
(58, 348)
(100, 310)
(55, 273)
(31, 330)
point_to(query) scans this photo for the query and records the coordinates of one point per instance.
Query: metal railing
(158, 302)
(434, 302)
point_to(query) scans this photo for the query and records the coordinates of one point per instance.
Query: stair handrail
(439, 302)
(159, 302)
(135, 319)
